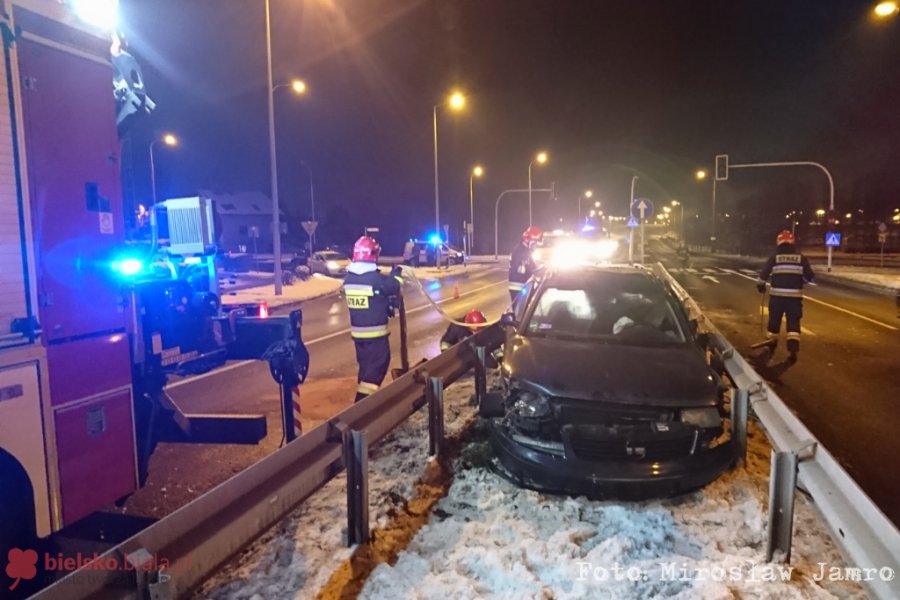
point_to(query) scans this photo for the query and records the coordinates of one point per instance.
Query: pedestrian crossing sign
(632, 222)
(833, 239)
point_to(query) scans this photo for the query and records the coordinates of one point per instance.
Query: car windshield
(332, 256)
(613, 307)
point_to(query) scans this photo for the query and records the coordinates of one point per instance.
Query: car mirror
(508, 320)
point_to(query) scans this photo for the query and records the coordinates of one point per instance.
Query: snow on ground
(881, 277)
(297, 557)
(490, 539)
(314, 287)
(430, 273)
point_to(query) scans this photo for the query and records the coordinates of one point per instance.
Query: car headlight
(705, 418)
(531, 405)
(332, 266)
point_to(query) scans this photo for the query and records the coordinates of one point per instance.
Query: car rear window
(620, 308)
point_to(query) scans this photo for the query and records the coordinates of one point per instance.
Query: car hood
(674, 375)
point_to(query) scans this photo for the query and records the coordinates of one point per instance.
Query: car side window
(522, 302)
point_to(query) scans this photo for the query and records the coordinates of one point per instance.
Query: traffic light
(721, 167)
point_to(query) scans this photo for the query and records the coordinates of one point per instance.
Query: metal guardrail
(867, 538)
(198, 538)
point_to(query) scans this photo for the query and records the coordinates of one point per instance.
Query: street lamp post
(312, 203)
(457, 102)
(679, 204)
(541, 158)
(634, 178)
(169, 140)
(586, 194)
(478, 171)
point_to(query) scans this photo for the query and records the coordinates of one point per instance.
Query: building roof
(240, 203)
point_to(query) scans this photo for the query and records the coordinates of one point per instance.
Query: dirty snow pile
(316, 286)
(489, 539)
(297, 557)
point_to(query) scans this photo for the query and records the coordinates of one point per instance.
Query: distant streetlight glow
(597, 204)
(588, 193)
(541, 158)
(299, 86)
(457, 101)
(700, 175)
(170, 140)
(820, 212)
(478, 171)
(886, 9)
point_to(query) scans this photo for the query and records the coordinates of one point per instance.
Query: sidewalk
(314, 287)
(883, 281)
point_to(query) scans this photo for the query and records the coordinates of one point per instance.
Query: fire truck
(91, 326)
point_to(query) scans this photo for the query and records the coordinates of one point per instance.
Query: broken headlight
(705, 418)
(531, 406)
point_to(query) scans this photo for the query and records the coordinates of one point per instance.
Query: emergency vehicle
(88, 337)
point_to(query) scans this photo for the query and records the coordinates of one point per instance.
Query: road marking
(322, 338)
(691, 270)
(843, 310)
(710, 278)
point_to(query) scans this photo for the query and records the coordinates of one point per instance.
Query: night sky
(608, 89)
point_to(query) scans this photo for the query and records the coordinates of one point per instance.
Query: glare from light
(701, 174)
(478, 171)
(887, 9)
(299, 86)
(332, 265)
(457, 101)
(128, 266)
(435, 239)
(170, 140)
(597, 204)
(820, 212)
(676, 203)
(588, 193)
(103, 14)
(541, 157)
(848, 216)
(667, 209)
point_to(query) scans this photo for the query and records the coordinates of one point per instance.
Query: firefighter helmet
(785, 237)
(366, 249)
(473, 317)
(532, 235)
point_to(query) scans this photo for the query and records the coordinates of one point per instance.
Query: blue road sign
(632, 222)
(642, 208)
(833, 239)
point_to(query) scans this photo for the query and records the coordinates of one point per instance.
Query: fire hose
(410, 275)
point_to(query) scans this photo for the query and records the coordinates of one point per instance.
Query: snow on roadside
(490, 539)
(886, 278)
(314, 287)
(430, 273)
(297, 557)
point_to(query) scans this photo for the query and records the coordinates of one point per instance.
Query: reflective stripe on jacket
(787, 270)
(368, 298)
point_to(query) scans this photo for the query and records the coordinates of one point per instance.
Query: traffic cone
(456, 291)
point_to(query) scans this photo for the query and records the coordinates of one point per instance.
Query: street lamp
(477, 171)
(886, 9)
(586, 194)
(169, 140)
(457, 102)
(312, 202)
(700, 175)
(541, 158)
(677, 203)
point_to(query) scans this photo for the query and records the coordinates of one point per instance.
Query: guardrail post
(740, 407)
(782, 484)
(480, 374)
(434, 394)
(290, 410)
(356, 461)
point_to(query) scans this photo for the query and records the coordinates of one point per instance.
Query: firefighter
(521, 263)
(456, 333)
(371, 297)
(787, 270)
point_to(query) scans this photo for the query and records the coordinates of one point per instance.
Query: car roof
(591, 272)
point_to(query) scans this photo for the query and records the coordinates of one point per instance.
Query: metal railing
(201, 536)
(867, 538)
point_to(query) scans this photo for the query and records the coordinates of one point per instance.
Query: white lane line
(710, 278)
(711, 271)
(838, 308)
(319, 339)
(691, 270)
(749, 272)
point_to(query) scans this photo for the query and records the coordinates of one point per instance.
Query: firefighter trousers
(792, 310)
(374, 358)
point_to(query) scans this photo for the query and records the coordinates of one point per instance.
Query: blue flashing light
(435, 239)
(192, 260)
(128, 267)
(588, 227)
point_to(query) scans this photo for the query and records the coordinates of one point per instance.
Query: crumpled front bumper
(629, 479)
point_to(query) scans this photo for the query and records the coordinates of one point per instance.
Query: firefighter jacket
(371, 297)
(788, 270)
(521, 267)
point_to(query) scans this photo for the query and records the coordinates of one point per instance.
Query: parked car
(422, 253)
(607, 390)
(329, 262)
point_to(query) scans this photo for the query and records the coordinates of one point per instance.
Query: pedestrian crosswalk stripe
(691, 270)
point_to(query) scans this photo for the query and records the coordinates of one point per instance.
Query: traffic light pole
(801, 163)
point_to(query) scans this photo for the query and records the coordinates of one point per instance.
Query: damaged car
(607, 389)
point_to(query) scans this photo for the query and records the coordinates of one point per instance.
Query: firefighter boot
(793, 347)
